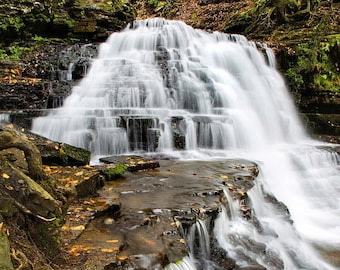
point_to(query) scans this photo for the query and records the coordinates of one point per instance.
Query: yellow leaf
(112, 241)
(107, 250)
(22, 130)
(56, 147)
(224, 176)
(78, 228)
(10, 126)
(182, 241)
(79, 173)
(5, 175)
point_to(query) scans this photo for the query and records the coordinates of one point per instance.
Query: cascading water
(164, 87)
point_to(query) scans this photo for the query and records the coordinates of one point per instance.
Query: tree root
(21, 259)
(29, 212)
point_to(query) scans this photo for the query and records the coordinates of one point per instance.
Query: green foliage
(316, 66)
(14, 52)
(3, 54)
(153, 3)
(15, 23)
(38, 38)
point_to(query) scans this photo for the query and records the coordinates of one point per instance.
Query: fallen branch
(29, 212)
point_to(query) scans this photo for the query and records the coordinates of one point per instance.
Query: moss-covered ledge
(5, 255)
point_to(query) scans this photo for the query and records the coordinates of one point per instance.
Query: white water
(228, 100)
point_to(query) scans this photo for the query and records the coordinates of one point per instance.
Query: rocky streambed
(149, 214)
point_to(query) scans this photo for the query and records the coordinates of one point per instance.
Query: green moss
(75, 155)
(63, 20)
(7, 206)
(114, 172)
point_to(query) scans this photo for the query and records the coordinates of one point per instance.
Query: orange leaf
(122, 257)
(150, 242)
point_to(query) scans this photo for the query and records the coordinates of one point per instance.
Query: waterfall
(164, 87)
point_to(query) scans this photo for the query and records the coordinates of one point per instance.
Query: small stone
(109, 221)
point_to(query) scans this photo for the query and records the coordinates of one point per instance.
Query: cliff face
(303, 34)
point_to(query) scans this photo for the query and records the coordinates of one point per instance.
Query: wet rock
(326, 124)
(132, 163)
(178, 132)
(143, 132)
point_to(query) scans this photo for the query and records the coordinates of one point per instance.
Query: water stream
(161, 86)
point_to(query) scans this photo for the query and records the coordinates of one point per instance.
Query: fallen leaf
(122, 257)
(78, 228)
(10, 126)
(79, 173)
(182, 241)
(9, 187)
(5, 175)
(112, 241)
(150, 242)
(107, 250)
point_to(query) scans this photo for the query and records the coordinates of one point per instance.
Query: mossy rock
(75, 155)
(113, 171)
(5, 255)
(7, 206)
